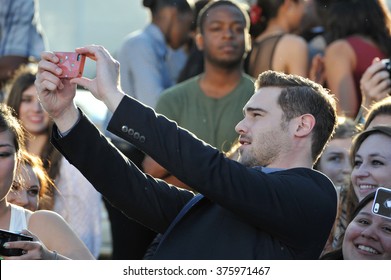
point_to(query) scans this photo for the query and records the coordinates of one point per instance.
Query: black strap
(184, 210)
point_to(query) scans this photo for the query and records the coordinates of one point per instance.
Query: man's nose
(240, 128)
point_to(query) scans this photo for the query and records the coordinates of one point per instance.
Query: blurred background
(74, 23)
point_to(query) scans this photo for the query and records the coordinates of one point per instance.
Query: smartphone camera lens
(376, 208)
(387, 65)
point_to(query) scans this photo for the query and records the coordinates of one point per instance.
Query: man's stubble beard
(267, 153)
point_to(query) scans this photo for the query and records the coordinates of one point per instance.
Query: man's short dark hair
(183, 6)
(212, 4)
(301, 96)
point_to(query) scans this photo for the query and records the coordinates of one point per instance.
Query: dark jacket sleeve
(282, 202)
(152, 202)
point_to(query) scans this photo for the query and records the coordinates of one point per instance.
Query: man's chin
(246, 161)
(241, 159)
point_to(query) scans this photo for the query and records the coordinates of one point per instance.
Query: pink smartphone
(71, 63)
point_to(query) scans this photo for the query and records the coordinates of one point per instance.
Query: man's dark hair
(212, 4)
(301, 96)
(183, 6)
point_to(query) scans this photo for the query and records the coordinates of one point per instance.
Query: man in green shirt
(210, 104)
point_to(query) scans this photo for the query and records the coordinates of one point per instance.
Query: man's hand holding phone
(56, 93)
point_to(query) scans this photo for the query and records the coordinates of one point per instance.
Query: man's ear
(199, 40)
(305, 124)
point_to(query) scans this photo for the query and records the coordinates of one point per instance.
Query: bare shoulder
(291, 55)
(292, 45)
(49, 227)
(42, 214)
(291, 40)
(45, 217)
(339, 47)
(57, 235)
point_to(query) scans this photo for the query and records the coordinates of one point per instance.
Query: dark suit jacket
(246, 214)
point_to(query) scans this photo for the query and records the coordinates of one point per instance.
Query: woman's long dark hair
(23, 79)
(268, 10)
(369, 18)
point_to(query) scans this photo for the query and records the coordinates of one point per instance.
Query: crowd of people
(235, 130)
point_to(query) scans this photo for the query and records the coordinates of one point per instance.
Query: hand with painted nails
(31, 250)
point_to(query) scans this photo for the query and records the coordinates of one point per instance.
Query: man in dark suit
(269, 205)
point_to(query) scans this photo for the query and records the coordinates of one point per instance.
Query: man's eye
(258, 114)
(215, 28)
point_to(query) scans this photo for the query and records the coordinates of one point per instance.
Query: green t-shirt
(210, 119)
